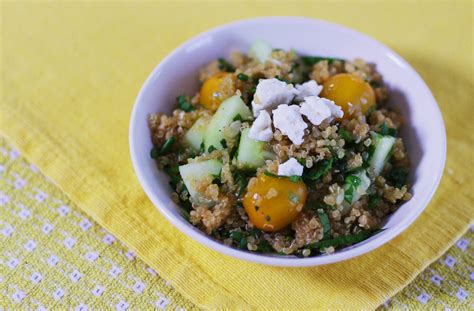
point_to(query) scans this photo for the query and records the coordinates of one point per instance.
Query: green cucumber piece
(229, 110)
(356, 191)
(252, 153)
(195, 135)
(193, 173)
(361, 189)
(260, 50)
(383, 147)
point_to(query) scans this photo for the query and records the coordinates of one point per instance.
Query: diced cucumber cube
(228, 111)
(383, 147)
(195, 135)
(252, 153)
(260, 50)
(193, 173)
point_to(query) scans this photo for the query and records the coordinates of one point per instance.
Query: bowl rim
(371, 244)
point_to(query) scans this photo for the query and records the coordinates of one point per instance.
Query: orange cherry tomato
(216, 89)
(273, 203)
(347, 89)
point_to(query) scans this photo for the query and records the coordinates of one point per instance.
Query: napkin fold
(71, 71)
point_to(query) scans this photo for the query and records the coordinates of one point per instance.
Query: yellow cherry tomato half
(347, 89)
(273, 203)
(216, 89)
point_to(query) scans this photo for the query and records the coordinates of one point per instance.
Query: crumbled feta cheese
(315, 110)
(310, 88)
(290, 168)
(318, 109)
(262, 127)
(289, 121)
(270, 93)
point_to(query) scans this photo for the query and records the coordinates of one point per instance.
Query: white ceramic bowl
(423, 132)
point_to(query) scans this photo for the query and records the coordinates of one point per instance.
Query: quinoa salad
(284, 153)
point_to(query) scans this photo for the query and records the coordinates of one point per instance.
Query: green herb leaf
(323, 168)
(211, 149)
(166, 147)
(243, 243)
(238, 117)
(242, 77)
(216, 179)
(241, 179)
(373, 201)
(225, 65)
(311, 60)
(385, 130)
(295, 178)
(255, 232)
(154, 152)
(324, 218)
(292, 178)
(173, 172)
(184, 104)
(346, 135)
(202, 148)
(301, 161)
(236, 236)
(282, 79)
(264, 247)
(351, 184)
(224, 143)
(397, 176)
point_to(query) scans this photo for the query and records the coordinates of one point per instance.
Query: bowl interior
(423, 131)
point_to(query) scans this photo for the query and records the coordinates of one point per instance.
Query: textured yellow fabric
(70, 73)
(53, 256)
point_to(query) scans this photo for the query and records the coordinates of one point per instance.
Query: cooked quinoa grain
(248, 184)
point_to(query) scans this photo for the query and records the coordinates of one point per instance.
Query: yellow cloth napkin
(71, 71)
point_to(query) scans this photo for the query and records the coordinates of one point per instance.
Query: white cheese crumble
(289, 121)
(261, 128)
(310, 88)
(270, 93)
(290, 168)
(318, 109)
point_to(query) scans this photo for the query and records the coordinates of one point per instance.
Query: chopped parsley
(264, 247)
(173, 172)
(323, 168)
(202, 148)
(224, 143)
(165, 148)
(397, 176)
(374, 200)
(241, 178)
(242, 77)
(385, 130)
(293, 178)
(346, 135)
(184, 104)
(225, 65)
(282, 79)
(211, 149)
(238, 117)
(323, 217)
